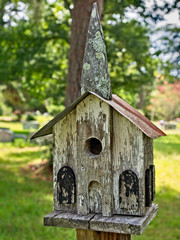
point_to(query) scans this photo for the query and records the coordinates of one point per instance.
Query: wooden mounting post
(94, 235)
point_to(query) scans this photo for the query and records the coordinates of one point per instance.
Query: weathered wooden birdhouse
(103, 153)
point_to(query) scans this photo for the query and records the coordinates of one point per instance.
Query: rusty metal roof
(144, 124)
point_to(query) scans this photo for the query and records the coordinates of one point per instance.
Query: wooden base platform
(116, 223)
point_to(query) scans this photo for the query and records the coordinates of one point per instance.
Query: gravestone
(168, 126)
(6, 135)
(30, 125)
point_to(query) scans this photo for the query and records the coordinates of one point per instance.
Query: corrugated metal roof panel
(144, 124)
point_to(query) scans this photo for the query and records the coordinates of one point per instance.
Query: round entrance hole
(93, 146)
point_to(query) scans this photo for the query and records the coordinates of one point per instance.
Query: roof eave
(48, 128)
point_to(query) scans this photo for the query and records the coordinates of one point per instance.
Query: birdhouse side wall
(128, 167)
(65, 163)
(94, 156)
(149, 172)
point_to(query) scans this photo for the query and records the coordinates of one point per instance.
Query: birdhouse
(103, 170)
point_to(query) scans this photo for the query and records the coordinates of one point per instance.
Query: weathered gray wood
(95, 197)
(148, 151)
(96, 222)
(91, 167)
(64, 154)
(94, 235)
(129, 149)
(148, 162)
(67, 220)
(128, 154)
(123, 224)
(49, 218)
(95, 73)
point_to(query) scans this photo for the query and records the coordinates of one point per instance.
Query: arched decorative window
(149, 185)
(152, 169)
(129, 191)
(95, 197)
(66, 186)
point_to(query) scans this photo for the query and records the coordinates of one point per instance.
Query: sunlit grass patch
(12, 125)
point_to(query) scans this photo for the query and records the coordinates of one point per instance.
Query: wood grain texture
(94, 235)
(128, 154)
(149, 171)
(123, 224)
(94, 121)
(64, 154)
(96, 222)
(100, 145)
(67, 220)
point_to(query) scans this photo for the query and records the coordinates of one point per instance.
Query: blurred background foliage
(35, 41)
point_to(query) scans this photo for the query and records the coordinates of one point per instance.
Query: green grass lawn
(25, 199)
(17, 126)
(11, 125)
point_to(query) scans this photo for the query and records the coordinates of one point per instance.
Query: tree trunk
(80, 21)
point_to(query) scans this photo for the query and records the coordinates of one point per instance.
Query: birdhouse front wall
(94, 156)
(65, 163)
(128, 167)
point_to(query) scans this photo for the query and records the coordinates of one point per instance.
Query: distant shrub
(30, 117)
(4, 109)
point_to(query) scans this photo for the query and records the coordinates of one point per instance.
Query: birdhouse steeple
(95, 73)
